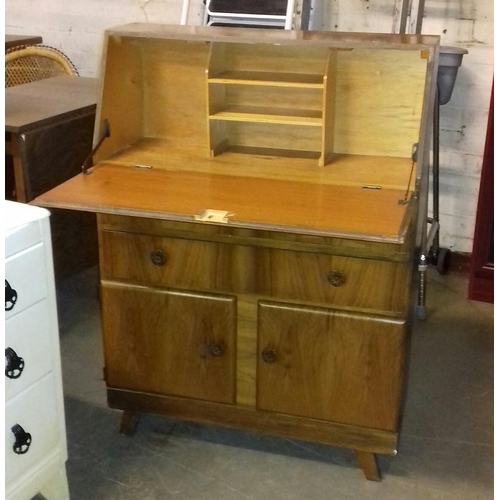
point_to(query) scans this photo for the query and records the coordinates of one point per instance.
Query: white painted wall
(76, 27)
(461, 23)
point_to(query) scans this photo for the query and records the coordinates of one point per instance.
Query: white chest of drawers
(35, 433)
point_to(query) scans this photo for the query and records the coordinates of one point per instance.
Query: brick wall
(467, 24)
(76, 28)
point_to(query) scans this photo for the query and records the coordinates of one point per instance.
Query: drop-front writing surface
(290, 314)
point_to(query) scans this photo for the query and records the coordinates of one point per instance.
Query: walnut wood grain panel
(332, 366)
(223, 233)
(160, 341)
(286, 426)
(283, 274)
(188, 264)
(246, 365)
(308, 277)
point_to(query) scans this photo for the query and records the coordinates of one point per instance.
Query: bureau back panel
(158, 88)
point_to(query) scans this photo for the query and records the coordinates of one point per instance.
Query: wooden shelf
(293, 165)
(259, 114)
(253, 96)
(270, 79)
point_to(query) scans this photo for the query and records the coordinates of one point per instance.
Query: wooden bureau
(259, 208)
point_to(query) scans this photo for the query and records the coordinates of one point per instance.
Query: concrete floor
(446, 442)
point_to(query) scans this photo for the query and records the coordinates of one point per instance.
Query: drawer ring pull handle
(216, 349)
(158, 257)
(269, 355)
(14, 365)
(336, 278)
(10, 297)
(23, 440)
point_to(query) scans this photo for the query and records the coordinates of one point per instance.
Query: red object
(481, 282)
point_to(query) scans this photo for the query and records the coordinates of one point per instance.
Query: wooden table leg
(368, 464)
(13, 148)
(128, 423)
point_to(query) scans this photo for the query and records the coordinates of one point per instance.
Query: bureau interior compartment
(223, 107)
(271, 99)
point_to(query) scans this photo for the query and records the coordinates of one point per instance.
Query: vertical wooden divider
(328, 128)
(216, 99)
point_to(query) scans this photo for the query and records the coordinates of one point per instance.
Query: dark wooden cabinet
(49, 126)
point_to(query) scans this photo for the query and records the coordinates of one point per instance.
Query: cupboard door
(330, 365)
(168, 342)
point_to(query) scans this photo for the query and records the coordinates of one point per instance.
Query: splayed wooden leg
(368, 464)
(129, 423)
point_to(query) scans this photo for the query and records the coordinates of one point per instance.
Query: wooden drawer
(282, 274)
(25, 280)
(174, 262)
(27, 335)
(35, 410)
(329, 279)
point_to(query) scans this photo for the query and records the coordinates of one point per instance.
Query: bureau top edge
(279, 37)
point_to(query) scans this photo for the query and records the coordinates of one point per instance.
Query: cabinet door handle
(158, 257)
(10, 296)
(269, 355)
(336, 278)
(216, 349)
(23, 440)
(14, 365)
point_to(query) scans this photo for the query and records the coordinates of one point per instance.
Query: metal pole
(205, 13)
(185, 12)
(435, 174)
(404, 17)
(290, 7)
